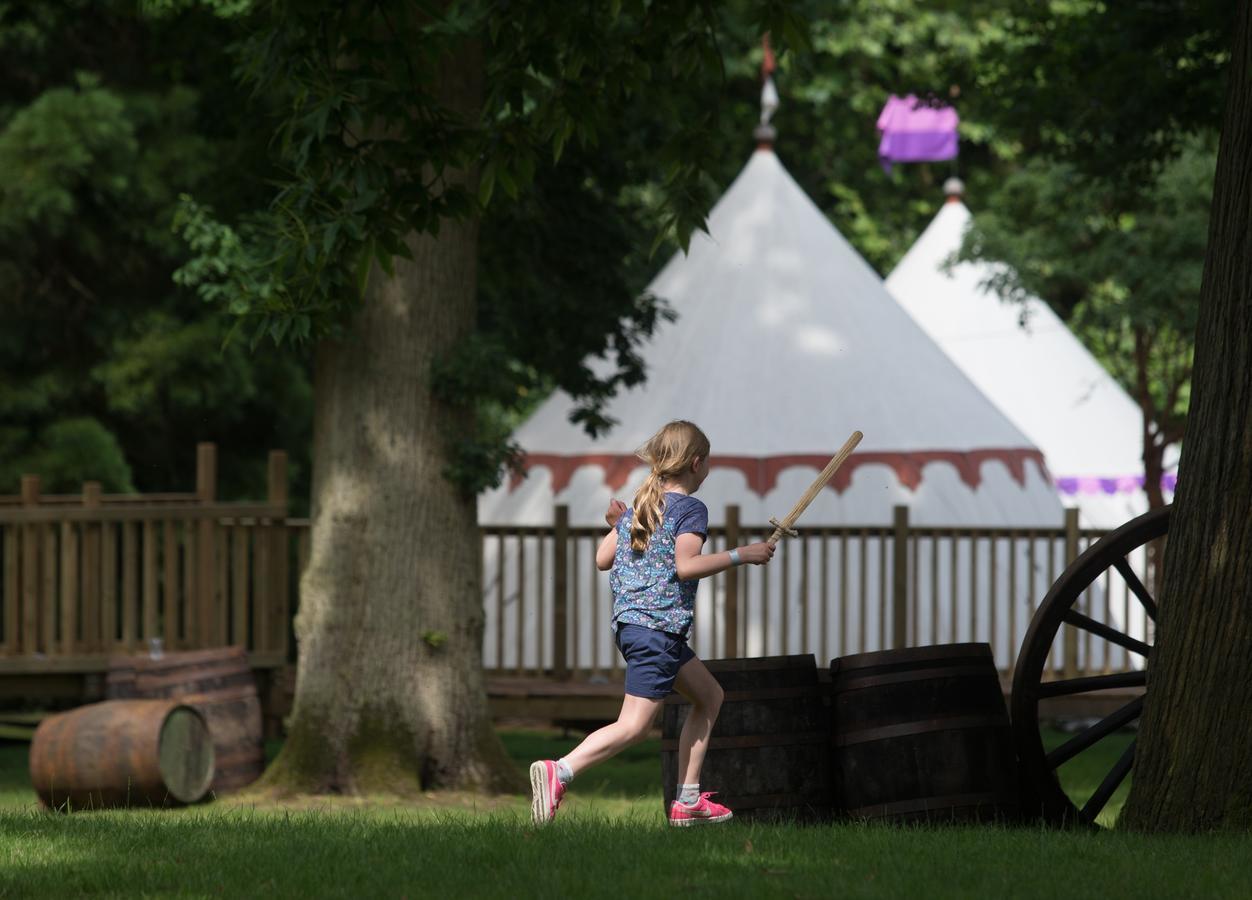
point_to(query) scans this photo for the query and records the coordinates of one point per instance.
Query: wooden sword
(784, 528)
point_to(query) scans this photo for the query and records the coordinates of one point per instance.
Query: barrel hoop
(755, 663)
(782, 693)
(931, 804)
(909, 654)
(951, 723)
(756, 740)
(855, 684)
(815, 799)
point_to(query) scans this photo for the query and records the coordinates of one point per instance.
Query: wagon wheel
(1041, 789)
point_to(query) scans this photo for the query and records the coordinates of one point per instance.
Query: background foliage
(108, 370)
(111, 368)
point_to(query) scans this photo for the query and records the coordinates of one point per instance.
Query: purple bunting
(1124, 484)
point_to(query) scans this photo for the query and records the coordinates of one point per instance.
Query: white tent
(786, 341)
(1032, 367)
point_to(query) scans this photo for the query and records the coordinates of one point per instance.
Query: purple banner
(913, 131)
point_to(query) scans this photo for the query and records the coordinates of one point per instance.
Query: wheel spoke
(1096, 732)
(1112, 635)
(1110, 783)
(1092, 683)
(1136, 587)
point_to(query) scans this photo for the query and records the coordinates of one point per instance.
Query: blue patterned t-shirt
(646, 589)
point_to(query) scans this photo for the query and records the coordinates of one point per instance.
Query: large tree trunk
(1193, 768)
(390, 694)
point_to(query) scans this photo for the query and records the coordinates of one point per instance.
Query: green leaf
(486, 183)
(384, 260)
(505, 177)
(364, 262)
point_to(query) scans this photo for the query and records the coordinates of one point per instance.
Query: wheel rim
(1041, 789)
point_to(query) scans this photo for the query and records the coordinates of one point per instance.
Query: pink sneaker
(546, 791)
(703, 813)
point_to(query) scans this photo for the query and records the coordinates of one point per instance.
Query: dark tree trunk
(1193, 768)
(1153, 451)
(390, 695)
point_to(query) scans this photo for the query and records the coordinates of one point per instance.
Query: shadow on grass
(632, 778)
(240, 852)
(609, 841)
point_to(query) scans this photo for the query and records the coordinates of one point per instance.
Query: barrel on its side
(219, 683)
(767, 751)
(122, 753)
(922, 735)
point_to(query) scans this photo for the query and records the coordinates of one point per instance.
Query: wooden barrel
(219, 683)
(122, 753)
(119, 680)
(922, 735)
(767, 756)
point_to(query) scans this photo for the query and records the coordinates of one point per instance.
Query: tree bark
(1193, 767)
(390, 695)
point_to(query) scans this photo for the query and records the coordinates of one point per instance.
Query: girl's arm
(692, 564)
(608, 546)
(604, 553)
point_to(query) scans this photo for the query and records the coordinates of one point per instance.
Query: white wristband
(734, 557)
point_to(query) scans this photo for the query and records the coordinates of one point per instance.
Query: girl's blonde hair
(669, 452)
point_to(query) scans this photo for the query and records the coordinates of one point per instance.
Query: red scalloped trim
(762, 473)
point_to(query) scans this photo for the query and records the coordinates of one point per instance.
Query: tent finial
(954, 189)
(764, 131)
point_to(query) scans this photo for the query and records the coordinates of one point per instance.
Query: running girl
(653, 556)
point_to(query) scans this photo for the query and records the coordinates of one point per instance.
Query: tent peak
(764, 134)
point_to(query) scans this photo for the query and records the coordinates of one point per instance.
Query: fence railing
(83, 577)
(830, 591)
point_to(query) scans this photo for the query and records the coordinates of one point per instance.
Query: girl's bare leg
(698, 685)
(632, 726)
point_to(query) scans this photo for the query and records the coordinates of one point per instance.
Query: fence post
(730, 588)
(1069, 636)
(30, 569)
(278, 609)
(206, 556)
(900, 577)
(92, 632)
(560, 571)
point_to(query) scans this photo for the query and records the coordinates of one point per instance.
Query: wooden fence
(86, 576)
(831, 591)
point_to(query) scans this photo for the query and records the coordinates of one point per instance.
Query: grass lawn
(609, 841)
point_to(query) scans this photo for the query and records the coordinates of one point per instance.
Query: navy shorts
(653, 659)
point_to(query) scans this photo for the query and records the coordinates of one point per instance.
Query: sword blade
(815, 488)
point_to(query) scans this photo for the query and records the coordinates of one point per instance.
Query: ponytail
(670, 452)
(649, 510)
